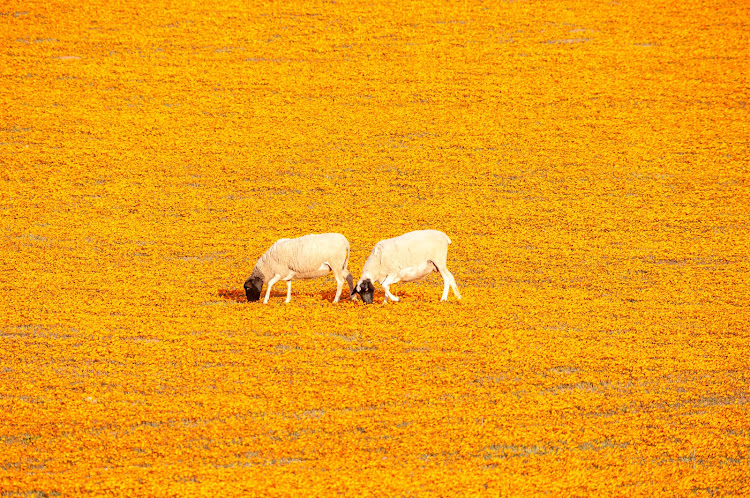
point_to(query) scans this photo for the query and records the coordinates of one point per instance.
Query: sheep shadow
(238, 295)
(327, 295)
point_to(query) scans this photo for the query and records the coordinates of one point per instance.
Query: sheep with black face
(408, 257)
(309, 256)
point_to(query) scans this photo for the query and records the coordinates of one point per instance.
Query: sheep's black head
(253, 286)
(366, 291)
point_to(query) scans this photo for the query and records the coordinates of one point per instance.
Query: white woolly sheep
(309, 256)
(408, 257)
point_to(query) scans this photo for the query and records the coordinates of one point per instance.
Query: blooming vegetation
(588, 159)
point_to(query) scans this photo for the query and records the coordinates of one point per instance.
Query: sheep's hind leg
(339, 287)
(288, 290)
(454, 287)
(339, 281)
(275, 279)
(448, 283)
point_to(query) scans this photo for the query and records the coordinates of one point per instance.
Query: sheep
(309, 256)
(408, 257)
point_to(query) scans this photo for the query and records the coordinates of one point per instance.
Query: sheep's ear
(378, 252)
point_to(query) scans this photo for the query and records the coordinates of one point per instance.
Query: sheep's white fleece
(309, 256)
(389, 256)
(407, 258)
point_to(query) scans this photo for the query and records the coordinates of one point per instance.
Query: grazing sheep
(310, 256)
(409, 257)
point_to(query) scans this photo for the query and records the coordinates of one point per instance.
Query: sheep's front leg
(388, 281)
(275, 279)
(339, 288)
(288, 290)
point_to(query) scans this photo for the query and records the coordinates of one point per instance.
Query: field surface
(588, 159)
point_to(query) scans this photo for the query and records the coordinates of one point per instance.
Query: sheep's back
(306, 254)
(413, 248)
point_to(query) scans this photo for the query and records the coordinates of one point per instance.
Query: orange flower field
(588, 159)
